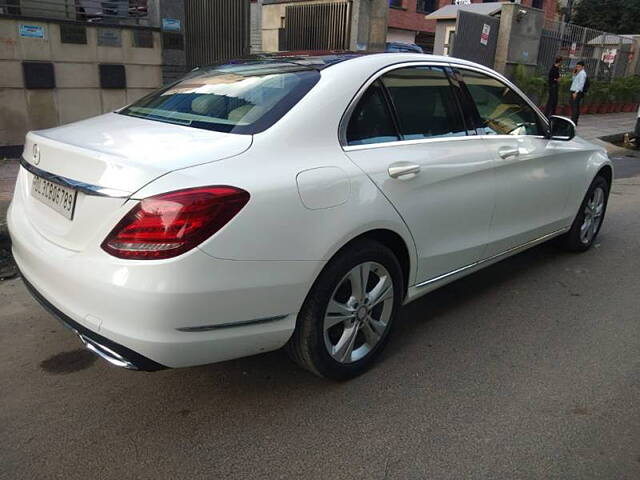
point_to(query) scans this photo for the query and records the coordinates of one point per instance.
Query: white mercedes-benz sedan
(292, 202)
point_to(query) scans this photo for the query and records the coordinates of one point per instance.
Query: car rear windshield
(241, 98)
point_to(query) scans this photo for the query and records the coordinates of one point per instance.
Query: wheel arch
(606, 171)
(394, 242)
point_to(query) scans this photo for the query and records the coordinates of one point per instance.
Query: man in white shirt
(577, 90)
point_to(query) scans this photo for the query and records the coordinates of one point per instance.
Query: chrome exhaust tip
(106, 353)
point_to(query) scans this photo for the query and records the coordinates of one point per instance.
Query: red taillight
(170, 224)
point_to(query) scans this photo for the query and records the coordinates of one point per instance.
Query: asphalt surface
(529, 369)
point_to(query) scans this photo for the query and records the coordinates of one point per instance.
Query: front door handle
(400, 169)
(506, 152)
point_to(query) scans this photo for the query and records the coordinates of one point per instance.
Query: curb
(607, 142)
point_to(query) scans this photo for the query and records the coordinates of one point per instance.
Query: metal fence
(216, 30)
(321, 26)
(606, 55)
(93, 11)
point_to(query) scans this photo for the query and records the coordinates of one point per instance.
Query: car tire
(338, 314)
(588, 221)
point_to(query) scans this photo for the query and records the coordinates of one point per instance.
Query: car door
(407, 133)
(534, 175)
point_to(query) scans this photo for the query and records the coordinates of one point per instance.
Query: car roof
(320, 60)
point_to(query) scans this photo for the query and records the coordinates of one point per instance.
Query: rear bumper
(191, 310)
(112, 352)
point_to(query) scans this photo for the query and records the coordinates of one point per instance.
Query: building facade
(407, 22)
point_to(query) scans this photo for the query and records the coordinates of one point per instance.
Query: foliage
(615, 16)
(534, 86)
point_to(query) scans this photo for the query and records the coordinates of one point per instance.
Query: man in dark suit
(554, 77)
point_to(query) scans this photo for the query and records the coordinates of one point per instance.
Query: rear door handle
(400, 169)
(506, 152)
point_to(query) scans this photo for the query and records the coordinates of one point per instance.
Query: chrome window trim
(510, 251)
(419, 141)
(346, 116)
(404, 143)
(86, 188)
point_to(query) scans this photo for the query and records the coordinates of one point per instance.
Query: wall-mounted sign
(171, 25)
(573, 50)
(31, 31)
(462, 2)
(109, 37)
(484, 36)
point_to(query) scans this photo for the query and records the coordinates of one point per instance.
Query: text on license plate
(59, 198)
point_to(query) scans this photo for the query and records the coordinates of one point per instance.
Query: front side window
(236, 98)
(424, 102)
(502, 110)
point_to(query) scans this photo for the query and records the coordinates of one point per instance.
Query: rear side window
(371, 120)
(241, 98)
(424, 103)
(502, 111)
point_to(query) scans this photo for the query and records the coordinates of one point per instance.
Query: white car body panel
(447, 206)
(310, 196)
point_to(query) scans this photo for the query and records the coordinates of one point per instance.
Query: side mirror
(561, 128)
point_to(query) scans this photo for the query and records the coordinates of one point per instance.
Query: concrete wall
(77, 94)
(441, 34)
(255, 19)
(174, 61)
(519, 37)
(272, 20)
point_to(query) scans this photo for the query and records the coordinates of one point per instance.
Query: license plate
(59, 198)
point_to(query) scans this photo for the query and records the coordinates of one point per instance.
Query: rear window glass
(245, 98)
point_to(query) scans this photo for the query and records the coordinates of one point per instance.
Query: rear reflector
(170, 224)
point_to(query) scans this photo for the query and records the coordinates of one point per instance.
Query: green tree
(615, 16)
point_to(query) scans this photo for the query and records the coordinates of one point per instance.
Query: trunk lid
(118, 153)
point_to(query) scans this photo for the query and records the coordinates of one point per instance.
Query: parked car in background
(292, 201)
(398, 47)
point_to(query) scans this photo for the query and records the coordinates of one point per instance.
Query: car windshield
(237, 98)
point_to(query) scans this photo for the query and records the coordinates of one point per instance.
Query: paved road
(527, 370)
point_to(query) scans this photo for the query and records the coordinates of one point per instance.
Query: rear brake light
(170, 224)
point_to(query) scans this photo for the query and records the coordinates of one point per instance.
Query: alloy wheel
(593, 212)
(359, 312)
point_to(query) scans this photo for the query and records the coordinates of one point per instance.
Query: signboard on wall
(109, 37)
(609, 55)
(31, 31)
(484, 36)
(573, 50)
(171, 25)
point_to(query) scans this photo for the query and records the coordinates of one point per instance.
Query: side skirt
(427, 286)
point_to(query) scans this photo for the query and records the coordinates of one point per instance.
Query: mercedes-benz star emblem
(36, 154)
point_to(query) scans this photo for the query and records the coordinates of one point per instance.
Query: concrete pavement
(595, 126)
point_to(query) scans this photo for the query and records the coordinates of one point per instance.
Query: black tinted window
(424, 102)
(502, 111)
(371, 120)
